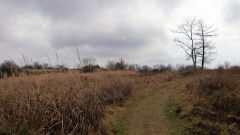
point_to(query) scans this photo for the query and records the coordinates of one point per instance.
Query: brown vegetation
(75, 103)
(61, 103)
(215, 97)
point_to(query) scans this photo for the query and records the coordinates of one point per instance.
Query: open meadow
(121, 102)
(119, 67)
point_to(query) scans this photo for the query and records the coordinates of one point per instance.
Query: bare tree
(227, 64)
(9, 68)
(89, 64)
(187, 39)
(205, 35)
(121, 64)
(88, 61)
(111, 65)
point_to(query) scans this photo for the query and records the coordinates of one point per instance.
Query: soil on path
(145, 114)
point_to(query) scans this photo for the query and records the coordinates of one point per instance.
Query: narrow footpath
(145, 114)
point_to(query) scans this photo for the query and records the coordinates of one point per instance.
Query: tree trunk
(193, 53)
(203, 49)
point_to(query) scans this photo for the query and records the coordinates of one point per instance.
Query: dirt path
(145, 114)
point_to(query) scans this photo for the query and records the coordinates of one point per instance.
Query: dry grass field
(61, 103)
(122, 102)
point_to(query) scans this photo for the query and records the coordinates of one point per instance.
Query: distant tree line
(10, 68)
(158, 68)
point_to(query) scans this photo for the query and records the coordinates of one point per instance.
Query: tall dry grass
(61, 103)
(216, 102)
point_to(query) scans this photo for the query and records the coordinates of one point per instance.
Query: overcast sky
(136, 30)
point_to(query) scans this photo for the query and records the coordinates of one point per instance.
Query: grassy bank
(210, 102)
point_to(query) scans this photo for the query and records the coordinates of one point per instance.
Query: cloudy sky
(136, 30)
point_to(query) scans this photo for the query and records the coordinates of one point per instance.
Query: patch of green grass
(122, 121)
(172, 110)
(120, 124)
(120, 127)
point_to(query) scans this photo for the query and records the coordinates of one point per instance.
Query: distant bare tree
(135, 67)
(88, 64)
(227, 64)
(117, 65)
(145, 69)
(88, 61)
(9, 67)
(205, 35)
(188, 39)
(37, 65)
(131, 67)
(111, 65)
(121, 64)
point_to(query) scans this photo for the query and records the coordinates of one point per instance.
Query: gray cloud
(121, 37)
(100, 28)
(169, 4)
(232, 10)
(104, 25)
(62, 9)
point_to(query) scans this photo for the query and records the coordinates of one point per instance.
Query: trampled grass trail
(146, 114)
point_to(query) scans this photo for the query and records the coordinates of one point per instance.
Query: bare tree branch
(205, 34)
(188, 41)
